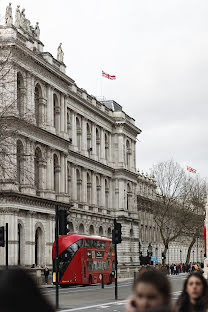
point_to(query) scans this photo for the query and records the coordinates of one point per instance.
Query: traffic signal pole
(57, 260)
(7, 249)
(116, 278)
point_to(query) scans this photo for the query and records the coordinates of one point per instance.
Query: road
(94, 298)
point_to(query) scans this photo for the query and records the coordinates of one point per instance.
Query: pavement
(94, 298)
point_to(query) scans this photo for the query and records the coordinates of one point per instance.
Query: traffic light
(63, 222)
(163, 255)
(116, 234)
(2, 241)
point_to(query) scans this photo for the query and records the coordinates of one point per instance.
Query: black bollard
(102, 281)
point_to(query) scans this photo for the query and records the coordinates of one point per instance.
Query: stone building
(63, 147)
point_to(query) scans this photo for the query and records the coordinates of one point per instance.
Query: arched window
(79, 185)
(20, 163)
(20, 244)
(128, 152)
(97, 143)
(20, 94)
(38, 95)
(56, 173)
(98, 191)
(91, 230)
(38, 157)
(106, 194)
(71, 227)
(89, 138)
(81, 229)
(39, 246)
(56, 112)
(79, 132)
(89, 188)
(106, 146)
(100, 231)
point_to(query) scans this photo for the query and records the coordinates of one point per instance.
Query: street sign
(153, 258)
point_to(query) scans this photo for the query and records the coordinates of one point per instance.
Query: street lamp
(193, 256)
(156, 254)
(180, 255)
(149, 250)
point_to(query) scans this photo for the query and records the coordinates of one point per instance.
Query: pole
(7, 249)
(57, 261)
(116, 268)
(102, 281)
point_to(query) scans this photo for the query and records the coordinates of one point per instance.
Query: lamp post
(180, 256)
(149, 251)
(201, 256)
(193, 256)
(140, 253)
(156, 254)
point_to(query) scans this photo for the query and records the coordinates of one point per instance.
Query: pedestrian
(19, 292)
(46, 273)
(194, 296)
(151, 292)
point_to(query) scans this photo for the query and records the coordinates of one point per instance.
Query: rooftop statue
(37, 31)
(22, 19)
(8, 16)
(60, 54)
(17, 17)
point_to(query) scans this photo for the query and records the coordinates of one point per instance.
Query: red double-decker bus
(83, 259)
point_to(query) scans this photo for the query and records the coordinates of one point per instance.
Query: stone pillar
(84, 137)
(58, 118)
(102, 192)
(84, 185)
(74, 183)
(50, 109)
(120, 150)
(102, 145)
(42, 166)
(50, 174)
(110, 148)
(94, 190)
(62, 122)
(74, 131)
(42, 112)
(93, 140)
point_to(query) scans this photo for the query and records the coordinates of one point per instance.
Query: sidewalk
(54, 286)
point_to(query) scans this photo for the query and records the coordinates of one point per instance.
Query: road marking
(103, 306)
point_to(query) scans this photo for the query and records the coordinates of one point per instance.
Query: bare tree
(170, 204)
(196, 215)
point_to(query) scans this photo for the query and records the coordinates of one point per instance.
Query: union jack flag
(191, 169)
(108, 76)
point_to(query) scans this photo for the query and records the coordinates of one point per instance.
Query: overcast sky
(158, 49)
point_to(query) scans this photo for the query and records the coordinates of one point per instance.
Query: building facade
(62, 147)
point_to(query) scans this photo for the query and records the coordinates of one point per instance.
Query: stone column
(84, 137)
(93, 140)
(50, 109)
(58, 111)
(102, 145)
(102, 192)
(84, 185)
(110, 148)
(74, 131)
(62, 125)
(120, 150)
(42, 112)
(74, 183)
(94, 190)
(63, 174)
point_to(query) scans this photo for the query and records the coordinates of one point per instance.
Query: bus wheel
(90, 280)
(110, 279)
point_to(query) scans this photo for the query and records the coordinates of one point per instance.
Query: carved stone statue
(22, 19)
(8, 16)
(17, 17)
(60, 54)
(27, 25)
(37, 31)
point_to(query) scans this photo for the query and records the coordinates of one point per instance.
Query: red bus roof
(67, 240)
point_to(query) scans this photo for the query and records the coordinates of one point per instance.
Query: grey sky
(159, 51)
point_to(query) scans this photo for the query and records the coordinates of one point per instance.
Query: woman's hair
(183, 300)
(159, 280)
(19, 292)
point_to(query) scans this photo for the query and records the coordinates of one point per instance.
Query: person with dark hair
(19, 292)
(151, 292)
(194, 296)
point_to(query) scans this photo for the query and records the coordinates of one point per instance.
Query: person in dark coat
(194, 297)
(46, 273)
(19, 292)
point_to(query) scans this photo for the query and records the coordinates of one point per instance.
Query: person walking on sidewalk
(46, 273)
